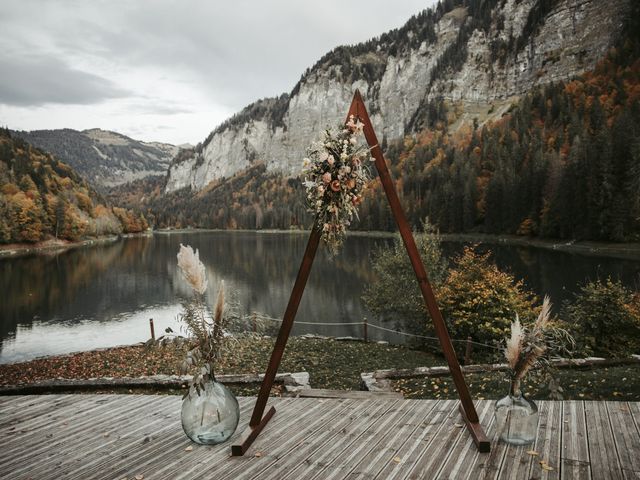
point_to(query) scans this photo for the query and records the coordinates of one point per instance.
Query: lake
(104, 295)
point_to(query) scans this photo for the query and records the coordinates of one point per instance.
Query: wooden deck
(139, 436)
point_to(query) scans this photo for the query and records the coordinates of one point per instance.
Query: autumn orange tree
(42, 197)
(480, 301)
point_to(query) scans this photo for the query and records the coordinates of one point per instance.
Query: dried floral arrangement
(533, 347)
(336, 174)
(206, 331)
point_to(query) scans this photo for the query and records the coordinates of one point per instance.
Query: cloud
(157, 106)
(36, 80)
(186, 63)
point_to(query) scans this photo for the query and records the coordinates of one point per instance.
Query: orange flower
(351, 184)
(335, 185)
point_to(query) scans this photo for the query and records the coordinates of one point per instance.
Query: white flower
(192, 268)
(330, 160)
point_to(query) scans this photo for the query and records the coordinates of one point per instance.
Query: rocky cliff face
(102, 157)
(478, 57)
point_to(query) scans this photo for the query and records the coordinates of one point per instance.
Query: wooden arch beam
(467, 408)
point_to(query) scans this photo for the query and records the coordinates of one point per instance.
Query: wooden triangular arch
(467, 408)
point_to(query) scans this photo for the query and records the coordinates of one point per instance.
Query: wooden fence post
(467, 352)
(153, 333)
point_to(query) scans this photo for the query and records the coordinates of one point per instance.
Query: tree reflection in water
(107, 293)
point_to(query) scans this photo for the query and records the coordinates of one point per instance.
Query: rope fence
(366, 325)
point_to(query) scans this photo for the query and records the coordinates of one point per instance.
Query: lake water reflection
(104, 295)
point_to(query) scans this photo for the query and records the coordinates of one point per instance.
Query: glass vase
(516, 417)
(211, 416)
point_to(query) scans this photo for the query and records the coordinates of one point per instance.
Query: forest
(563, 162)
(42, 198)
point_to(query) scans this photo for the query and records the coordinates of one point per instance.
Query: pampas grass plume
(219, 310)
(192, 269)
(514, 343)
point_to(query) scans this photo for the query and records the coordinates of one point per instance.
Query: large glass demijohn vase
(211, 415)
(516, 417)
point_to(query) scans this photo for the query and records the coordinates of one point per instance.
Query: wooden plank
(489, 465)
(344, 454)
(627, 439)
(176, 456)
(74, 439)
(80, 385)
(342, 465)
(307, 438)
(152, 431)
(276, 445)
(464, 456)
(441, 370)
(284, 467)
(634, 409)
(420, 441)
(35, 407)
(354, 394)
(604, 460)
(575, 463)
(85, 409)
(387, 449)
(439, 449)
(11, 404)
(320, 458)
(158, 454)
(170, 456)
(69, 430)
(548, 442)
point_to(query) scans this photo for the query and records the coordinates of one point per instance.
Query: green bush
(604, 318)
(476, 298)
(480, 301)
(395, 295)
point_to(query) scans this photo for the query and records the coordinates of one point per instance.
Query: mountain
(477, 56)
(42, 197)
(560, 161)
(103, 157)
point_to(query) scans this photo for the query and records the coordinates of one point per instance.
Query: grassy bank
(331, 364)
(609, 383)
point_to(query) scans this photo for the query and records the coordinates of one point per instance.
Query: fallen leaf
(397, 459)
(258, 454)
(106, 434)
(188, 449)
(458, 425)
(533, 452)
(139, 476)
(547, 467)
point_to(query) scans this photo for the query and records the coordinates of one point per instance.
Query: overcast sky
(167, 70)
